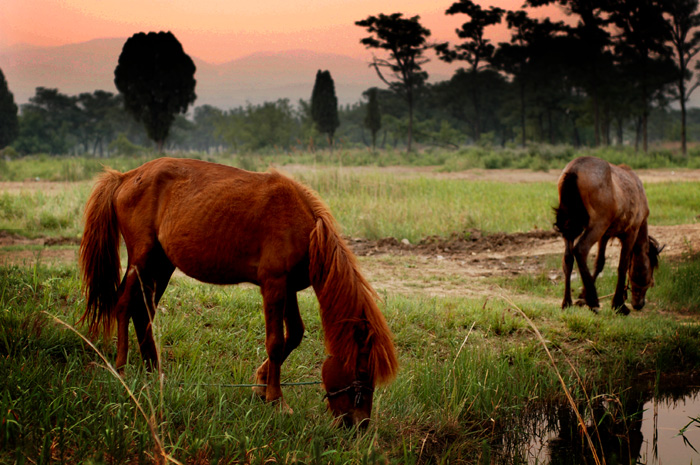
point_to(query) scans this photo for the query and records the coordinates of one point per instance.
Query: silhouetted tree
(684, 24)
(324, 105)
(156, 78)
(373, 118)
(405, 41)
(592, 69)
(475, 50)
(9, 123)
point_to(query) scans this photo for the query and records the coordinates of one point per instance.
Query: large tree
(642, 52)
(592, 67)
(324, 105)
(476, 49)
(9, 123)
(405, 39)
(156, 78)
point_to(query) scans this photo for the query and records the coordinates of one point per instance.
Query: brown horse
(599, 201)
(223, 225)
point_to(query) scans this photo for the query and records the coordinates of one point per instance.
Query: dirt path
(435, 266)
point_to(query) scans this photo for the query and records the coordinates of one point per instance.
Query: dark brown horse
(599, 201)
(223, 225)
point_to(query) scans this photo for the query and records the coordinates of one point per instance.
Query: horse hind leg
(143, 286)
(567, 266)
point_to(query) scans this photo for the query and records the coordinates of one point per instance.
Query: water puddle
(639, 426)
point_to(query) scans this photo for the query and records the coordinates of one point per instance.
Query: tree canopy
(405, 39)
(156, 78)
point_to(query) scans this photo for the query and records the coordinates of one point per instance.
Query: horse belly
(211, 256)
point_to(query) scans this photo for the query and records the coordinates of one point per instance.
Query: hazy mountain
(260, 77)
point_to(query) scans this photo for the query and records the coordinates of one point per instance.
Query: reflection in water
(636, 427)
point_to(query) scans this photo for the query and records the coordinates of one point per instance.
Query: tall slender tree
(9, 123)
(156, 78)
(324, 105)
(373, 117)
(405, 40)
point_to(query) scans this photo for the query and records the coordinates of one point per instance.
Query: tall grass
(468, 368)
(374, 205)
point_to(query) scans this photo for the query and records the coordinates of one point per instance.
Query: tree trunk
(522, 112)
(410, 120)
(684, 145)
(596, 120)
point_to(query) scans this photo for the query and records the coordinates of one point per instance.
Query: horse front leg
(293, 336)
(274, 292)
(567, 265)
(599, 265)
(618, 301)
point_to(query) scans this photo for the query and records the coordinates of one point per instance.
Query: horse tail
(350, 315)
(571, 215)
(99, 253)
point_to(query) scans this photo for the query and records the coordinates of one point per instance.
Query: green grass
(467, 365)
(375, 205)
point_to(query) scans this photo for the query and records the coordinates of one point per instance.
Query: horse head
(641, 273)
(349, 395)
(350, 390)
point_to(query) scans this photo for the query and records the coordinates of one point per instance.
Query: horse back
(215, 223)
(610, 195)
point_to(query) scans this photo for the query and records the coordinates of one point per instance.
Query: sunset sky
(222, 30)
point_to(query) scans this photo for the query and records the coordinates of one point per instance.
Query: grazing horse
(223, 225)
(599, 201)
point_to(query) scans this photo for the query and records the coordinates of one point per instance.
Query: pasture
(470, 278)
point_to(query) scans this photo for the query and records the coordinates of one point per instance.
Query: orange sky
(221, 30)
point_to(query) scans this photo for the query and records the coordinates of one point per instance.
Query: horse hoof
(623, 310)
(595, 310)
(259, 391)
(283, 407)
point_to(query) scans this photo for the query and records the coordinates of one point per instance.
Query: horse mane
(350, 315)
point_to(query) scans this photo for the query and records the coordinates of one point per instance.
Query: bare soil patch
(458, 265)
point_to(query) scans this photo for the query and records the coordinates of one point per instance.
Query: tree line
(605, 76)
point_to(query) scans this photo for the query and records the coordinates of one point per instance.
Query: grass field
(470, 366)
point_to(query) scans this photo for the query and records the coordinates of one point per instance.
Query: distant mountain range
(260, 77)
